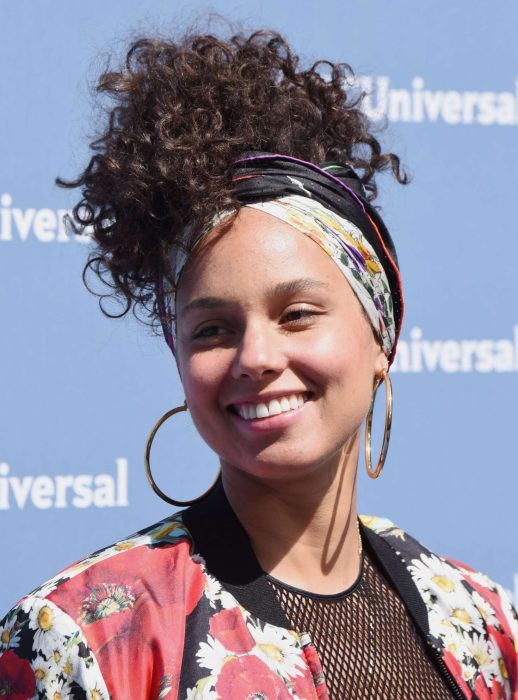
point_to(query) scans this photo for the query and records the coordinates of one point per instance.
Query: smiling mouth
(273, 407)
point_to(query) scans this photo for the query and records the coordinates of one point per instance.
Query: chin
(275, 464)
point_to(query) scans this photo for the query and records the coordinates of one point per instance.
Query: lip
(271, 423)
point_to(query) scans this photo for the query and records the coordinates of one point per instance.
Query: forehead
(257, 251)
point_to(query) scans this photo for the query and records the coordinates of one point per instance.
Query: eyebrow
(302, 284)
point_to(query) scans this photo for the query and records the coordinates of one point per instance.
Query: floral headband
(353, 238)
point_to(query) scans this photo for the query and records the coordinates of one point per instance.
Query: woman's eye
(209, 332)
(299, 315)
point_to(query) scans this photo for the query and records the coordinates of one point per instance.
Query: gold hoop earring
(374, 473)
(154, 486)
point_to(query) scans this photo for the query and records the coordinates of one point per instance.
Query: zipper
(454, 687)
(400, 577)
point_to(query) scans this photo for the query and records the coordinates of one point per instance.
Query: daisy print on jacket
(145, 619)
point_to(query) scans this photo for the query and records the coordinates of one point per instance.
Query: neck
(303, 531)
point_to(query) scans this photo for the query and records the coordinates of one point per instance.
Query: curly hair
(180, 114)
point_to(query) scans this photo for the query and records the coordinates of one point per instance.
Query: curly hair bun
(181, 113)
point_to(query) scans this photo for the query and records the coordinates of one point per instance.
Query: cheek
(340, 354)
(202, 377)
(199, 390)
(342, 364)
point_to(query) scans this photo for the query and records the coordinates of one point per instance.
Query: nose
(259, 354)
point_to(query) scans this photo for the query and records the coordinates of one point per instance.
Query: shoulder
(471, 619)
(433, 572)
(137, 557)
(69, 632)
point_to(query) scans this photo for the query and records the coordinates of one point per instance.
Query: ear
(381, 363)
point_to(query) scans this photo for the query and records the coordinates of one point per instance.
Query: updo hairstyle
(180, 113)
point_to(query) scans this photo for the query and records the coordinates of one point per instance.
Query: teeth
(294, 402)
(285, 404)
(273, 408)
(262, 410)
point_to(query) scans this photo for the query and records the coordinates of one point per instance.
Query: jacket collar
(243, 577)
(472, 644)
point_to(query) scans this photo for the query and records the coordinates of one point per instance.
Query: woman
(230, 197)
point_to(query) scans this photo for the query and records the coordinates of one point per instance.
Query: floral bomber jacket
(147, 618)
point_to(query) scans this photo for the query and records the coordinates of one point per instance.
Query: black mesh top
(371, 639)
(368, 645)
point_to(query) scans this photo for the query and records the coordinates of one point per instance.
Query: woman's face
(266, 321)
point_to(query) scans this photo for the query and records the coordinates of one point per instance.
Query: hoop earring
(154, 486)
(374, 473)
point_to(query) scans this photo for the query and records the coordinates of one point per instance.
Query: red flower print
(194, 582)
(481, 689)
(132, 600)
(460, 564)
(484, 693)
(456, 671)
(496, 603)
(322, 692)
(498, 691)
(305, 688)
(229, 628)
(249, 677)
(509, 662)
(17, 681)
(315, 666)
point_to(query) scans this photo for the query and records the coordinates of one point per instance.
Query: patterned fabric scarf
(329, 205)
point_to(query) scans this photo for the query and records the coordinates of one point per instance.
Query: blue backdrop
(79, 392)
